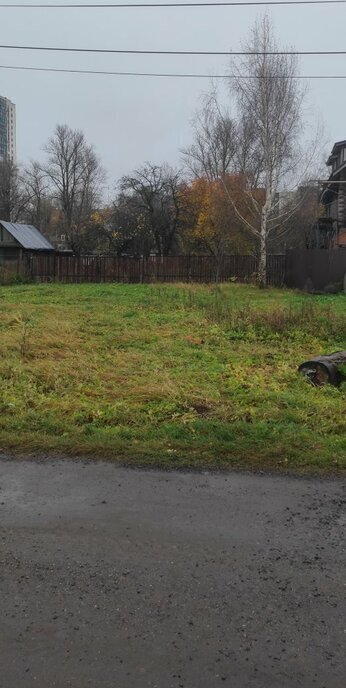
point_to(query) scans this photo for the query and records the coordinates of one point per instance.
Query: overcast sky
(129, 119)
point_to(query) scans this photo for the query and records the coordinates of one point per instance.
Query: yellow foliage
(211, 218)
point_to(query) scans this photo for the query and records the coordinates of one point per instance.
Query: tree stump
(324, 370)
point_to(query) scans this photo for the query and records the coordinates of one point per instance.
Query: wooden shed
(16, 240)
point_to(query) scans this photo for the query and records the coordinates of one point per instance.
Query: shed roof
(28, 236)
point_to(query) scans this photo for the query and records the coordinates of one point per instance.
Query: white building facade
(7, 130)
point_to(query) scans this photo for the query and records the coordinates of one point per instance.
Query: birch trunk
(262, 264)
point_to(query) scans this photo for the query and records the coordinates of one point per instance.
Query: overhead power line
(242, 3)
(169, 75)
(228, 53)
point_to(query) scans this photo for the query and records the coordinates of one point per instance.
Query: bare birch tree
(269, 105)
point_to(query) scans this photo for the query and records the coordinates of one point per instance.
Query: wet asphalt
(119, 578)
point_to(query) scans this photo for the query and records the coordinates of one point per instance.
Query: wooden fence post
(189, 271)
(141, 269)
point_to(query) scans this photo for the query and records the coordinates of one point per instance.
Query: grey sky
(130, 120)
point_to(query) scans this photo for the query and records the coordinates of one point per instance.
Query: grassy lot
(170, 375)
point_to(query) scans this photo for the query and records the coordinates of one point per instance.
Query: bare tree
(39, 209)
(212, 153)
(248, 156)
(13, 196)
(123, 227)
(269, 105)
(76, 176)
(156, 191)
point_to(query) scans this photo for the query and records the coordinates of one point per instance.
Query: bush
(9, 275)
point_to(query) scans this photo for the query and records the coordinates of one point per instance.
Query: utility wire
(242, 3)
(229, 53)
(170, 75)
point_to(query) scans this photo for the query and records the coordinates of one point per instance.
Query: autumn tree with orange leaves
(211, 224)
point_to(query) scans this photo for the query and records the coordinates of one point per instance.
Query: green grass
(170, 375)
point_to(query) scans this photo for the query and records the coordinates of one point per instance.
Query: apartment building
(7, 130)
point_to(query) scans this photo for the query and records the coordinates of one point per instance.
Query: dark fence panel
(315, 269)
(276, 270)
(76, 269)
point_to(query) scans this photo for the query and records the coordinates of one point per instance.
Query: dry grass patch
(170, 375)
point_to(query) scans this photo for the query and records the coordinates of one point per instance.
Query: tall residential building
(7, 130)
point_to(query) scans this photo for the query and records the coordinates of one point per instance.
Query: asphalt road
(116, 578)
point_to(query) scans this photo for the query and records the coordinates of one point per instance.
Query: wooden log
(324, 370)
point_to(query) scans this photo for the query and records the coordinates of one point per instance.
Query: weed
(10, 275)
(24, 343)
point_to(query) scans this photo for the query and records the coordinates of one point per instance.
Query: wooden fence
(76, 269)
(314, 270)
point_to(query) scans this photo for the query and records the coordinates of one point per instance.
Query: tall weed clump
(10, 275)
(292, 321)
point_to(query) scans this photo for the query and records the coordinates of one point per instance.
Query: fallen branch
(322, 370)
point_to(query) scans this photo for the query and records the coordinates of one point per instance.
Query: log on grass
(322, 370)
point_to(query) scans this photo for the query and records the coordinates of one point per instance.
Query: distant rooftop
(335, 150)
